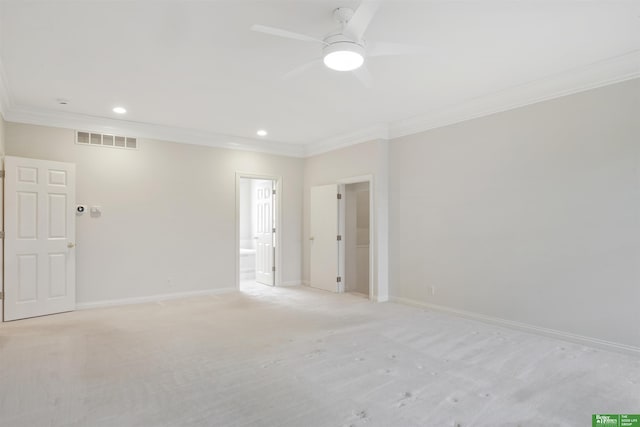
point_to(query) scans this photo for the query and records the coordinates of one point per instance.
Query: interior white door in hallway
(324, 245)
(39, 256)
(264, 230)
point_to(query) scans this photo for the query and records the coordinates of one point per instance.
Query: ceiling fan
(345, 49)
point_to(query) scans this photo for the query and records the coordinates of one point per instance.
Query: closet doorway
(357, 231)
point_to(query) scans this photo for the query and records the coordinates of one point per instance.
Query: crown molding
(378, 131)
(597, 74)
(150, 131)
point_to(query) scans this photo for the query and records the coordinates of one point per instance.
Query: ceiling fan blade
(301, 69)
(361, 18)
(364, 76)
(387, 49)
(285, 33)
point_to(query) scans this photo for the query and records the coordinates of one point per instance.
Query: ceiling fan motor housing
(344, 45)
(343, 55)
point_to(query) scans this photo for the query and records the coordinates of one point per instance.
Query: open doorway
(345, 263)
(256, 219)
(357, 231)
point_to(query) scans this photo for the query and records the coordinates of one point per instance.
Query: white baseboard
(152, 298)
(291, 283)
(381, 298)
(567, 336)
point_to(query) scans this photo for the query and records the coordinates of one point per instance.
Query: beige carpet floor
(298, 357)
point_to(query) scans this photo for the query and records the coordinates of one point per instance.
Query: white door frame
(372, 231)
(278, 223)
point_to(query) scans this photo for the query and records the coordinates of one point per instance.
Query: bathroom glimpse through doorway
(257, 231)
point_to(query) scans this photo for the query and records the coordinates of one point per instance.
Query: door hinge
(273, 192)
(1, 234)
(1, 174)
(273, 230)
(339, 238)
(273, 268)
(339, 196)
(339, 279)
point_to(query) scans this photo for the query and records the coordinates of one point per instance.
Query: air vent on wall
(106, 140)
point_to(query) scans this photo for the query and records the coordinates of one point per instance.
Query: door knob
(71, 245)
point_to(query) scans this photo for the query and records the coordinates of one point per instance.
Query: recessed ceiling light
(119, 110)
(261, 132)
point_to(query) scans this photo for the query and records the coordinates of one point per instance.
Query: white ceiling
(194, 71)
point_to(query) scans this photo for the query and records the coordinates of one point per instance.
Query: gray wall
(168, 222)
(531, 215)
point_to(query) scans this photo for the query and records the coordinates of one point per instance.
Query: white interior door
(324, 245)
(39, 256)
(264, 208)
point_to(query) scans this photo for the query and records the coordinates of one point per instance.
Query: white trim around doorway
(278, 221)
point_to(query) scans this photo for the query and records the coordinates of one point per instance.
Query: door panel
(57, 275)
(323, 232)
(57, 216)
(27, 278)
(27, 215)
(263, 199)
(39, 254)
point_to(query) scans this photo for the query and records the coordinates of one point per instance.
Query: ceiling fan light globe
(344, 56)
